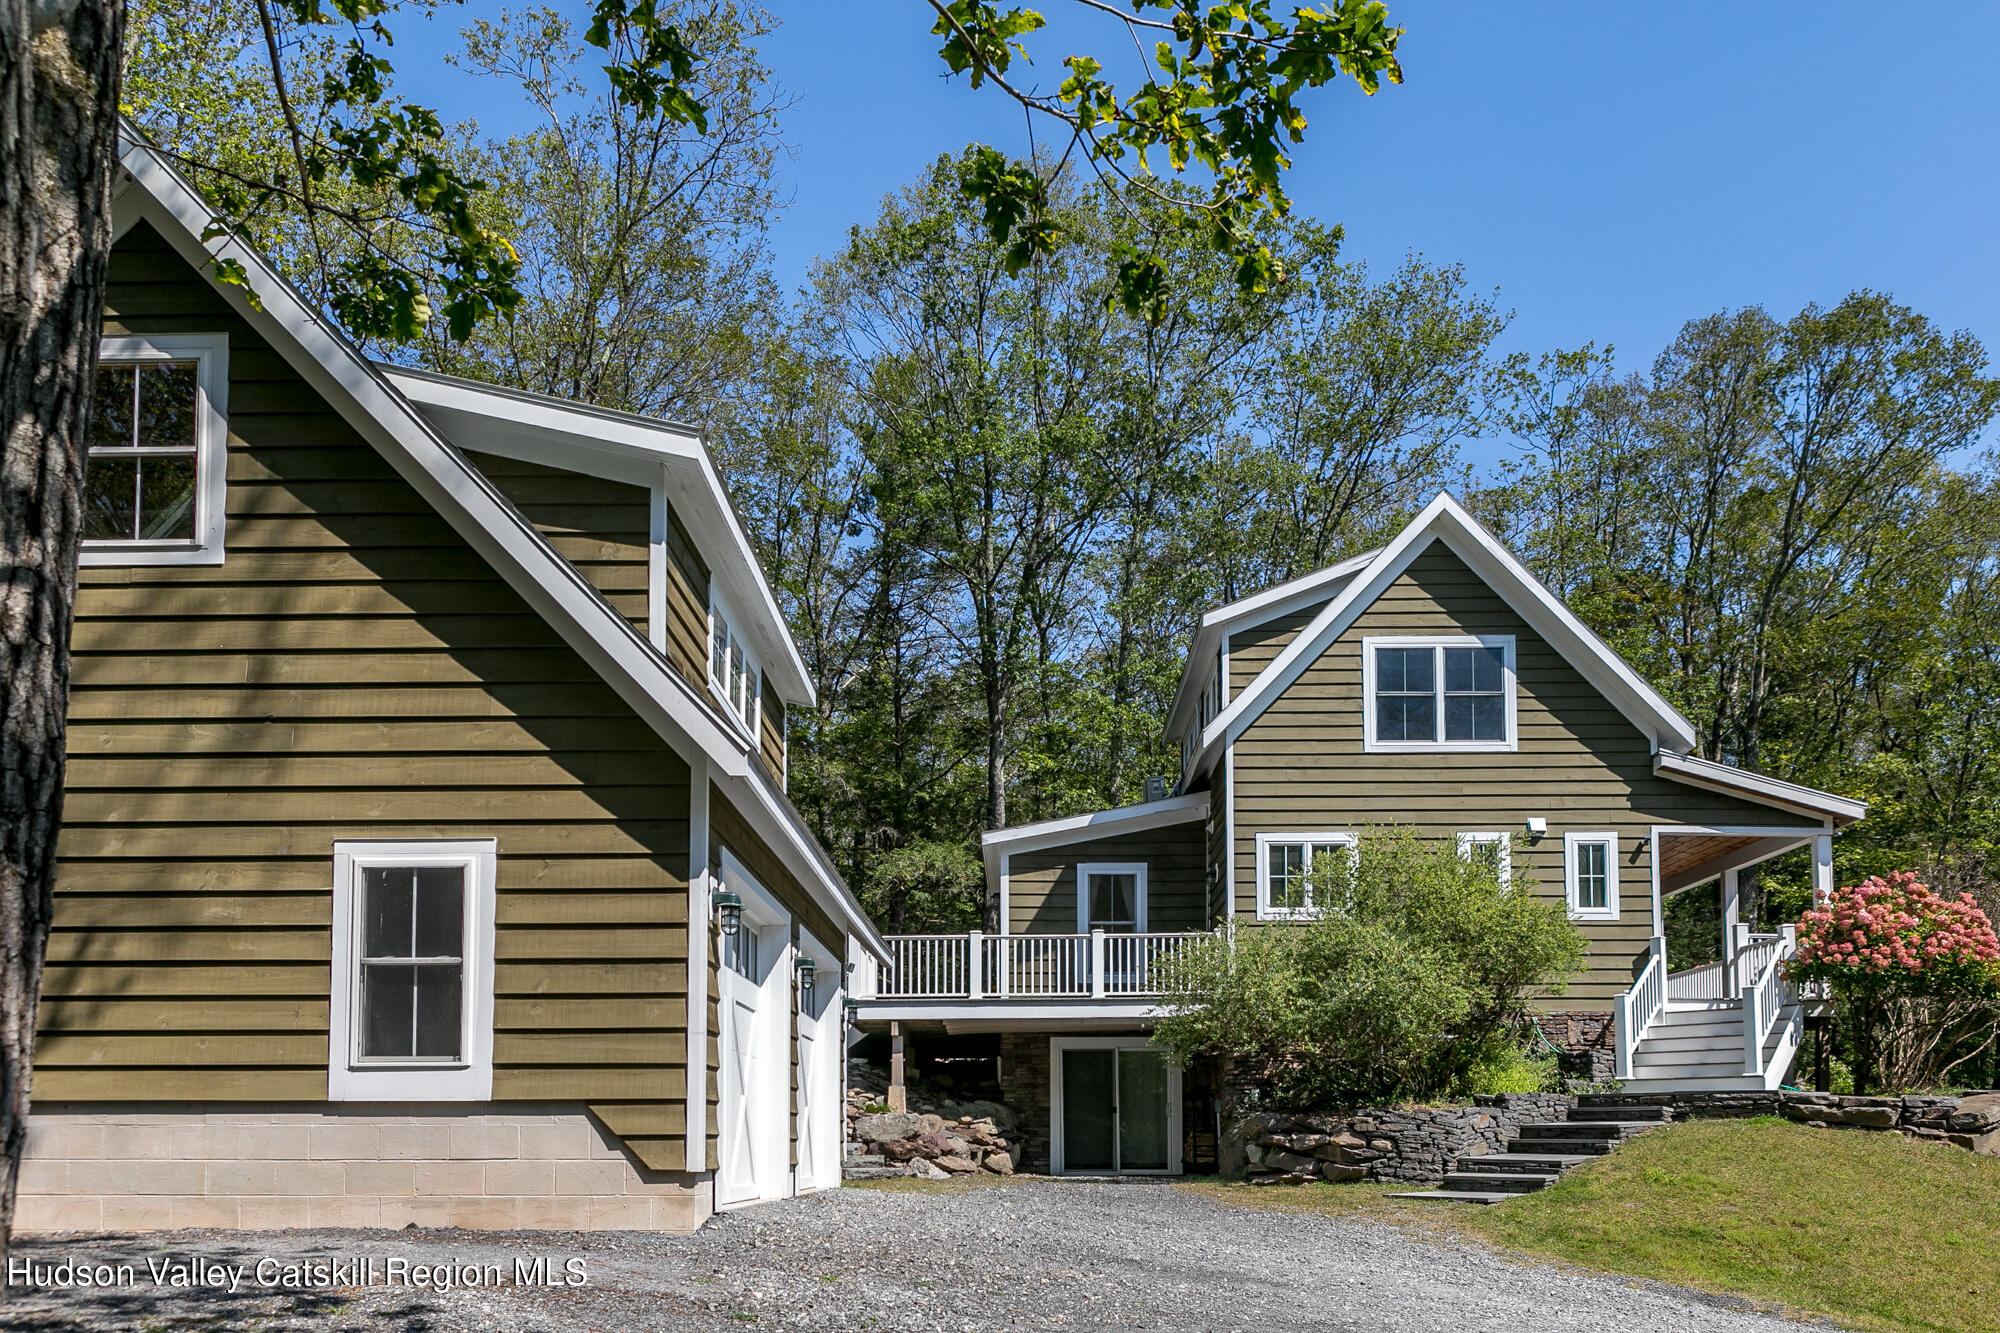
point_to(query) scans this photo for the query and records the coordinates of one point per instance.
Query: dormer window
(156, 452)
(1438, 694)
(732, 672)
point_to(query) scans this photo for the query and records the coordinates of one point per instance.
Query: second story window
(1438, 693)
(156, 451)
(732, 673)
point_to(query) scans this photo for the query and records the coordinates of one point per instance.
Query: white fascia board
(681, 715)
(623, 447)
(774, 819)
(990, 1015)
(1084, 828)
(1443, 519)
(1755, 786)
(1225, 620)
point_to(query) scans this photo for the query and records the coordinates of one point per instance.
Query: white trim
(210, 353)
(1470, 838)
(749, 712)
(1609, 841)
(619, 446)
(700, 923)
(681, 712)
(992, 1014)
(1264, 841)
(1444, 520)
(1225, 621)
(1229, 908)
(1773, 791)
(1004, 925)
(1437, 643)
(469, 1079)
(1085, 869)
(1084, 828)
(658, 523)
(1058, 1045)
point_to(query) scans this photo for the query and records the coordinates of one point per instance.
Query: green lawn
(1873, 1230)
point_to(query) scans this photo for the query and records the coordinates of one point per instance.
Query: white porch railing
(1765, 992)
(1707, 982)
(978, 966)
(1634, 1011)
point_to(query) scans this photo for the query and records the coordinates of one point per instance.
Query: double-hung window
(1590, 875)
(1495, 851)
(412, 1004)
(156, 450)
(1438, 694)
(1300, 875)
(732, 672)
(1111, 896)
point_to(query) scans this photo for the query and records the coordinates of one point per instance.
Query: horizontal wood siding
(1581, 765)
(352, 671)
(1252, 649)
(771, 730)
(1217, 830)
(687, 604)
(602, 527)
(1041, 885)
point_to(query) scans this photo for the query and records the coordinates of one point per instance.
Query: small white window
(732, 672)
(1111, 896)
(1492, 849)
(1590, 875)
(156, 452)
(412, 1004)
(1300, 875)
(1430, 694)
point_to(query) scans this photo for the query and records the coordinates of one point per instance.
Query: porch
(1734, 1024)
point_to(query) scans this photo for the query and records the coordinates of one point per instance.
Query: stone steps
(1542, 1153)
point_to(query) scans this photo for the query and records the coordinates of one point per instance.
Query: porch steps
(1543, 1151)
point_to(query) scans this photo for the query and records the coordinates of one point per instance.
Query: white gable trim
(633, 667)
(1444, 520)
(1212, 637)
(1000, 844)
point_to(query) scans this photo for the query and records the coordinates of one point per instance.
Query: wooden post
(1822, 869)
(898, 1099)
(1732, 915)
(975, 959)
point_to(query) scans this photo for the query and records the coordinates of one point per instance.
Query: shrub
(1417, 973)
(1910, 969)
(1511, 1069)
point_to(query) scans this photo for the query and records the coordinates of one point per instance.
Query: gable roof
(689, 721)
(1218, 625)
(627, 447)
(1445, 521)
(1044, 833)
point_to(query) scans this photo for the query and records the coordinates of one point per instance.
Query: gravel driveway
(1033, 1254)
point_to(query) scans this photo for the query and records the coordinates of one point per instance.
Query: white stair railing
(1765, 993)
(1635, 1010)
(1697, 983)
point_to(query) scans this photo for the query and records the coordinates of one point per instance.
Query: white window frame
(467, 1079)
(1265, 841)
(210, 353)
(1489, 838)
(753, 676)
(1085, 869)
(1577, 911)
(1436, 643)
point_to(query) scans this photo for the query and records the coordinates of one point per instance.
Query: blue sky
(1612, 168)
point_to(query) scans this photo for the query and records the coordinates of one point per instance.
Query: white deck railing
(978, 966)
(1634, 1011)
(1707, 982)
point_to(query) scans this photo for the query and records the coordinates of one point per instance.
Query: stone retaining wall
(1971, 1122)
(1411, 1145)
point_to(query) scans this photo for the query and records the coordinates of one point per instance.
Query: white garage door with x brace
(755, 999)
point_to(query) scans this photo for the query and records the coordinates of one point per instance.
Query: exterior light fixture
(728, 911)
(805, 968)
(1537, 826)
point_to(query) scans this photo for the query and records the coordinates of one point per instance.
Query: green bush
(1417, 974)
(1511, 1069)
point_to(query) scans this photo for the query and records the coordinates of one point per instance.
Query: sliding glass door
(1118, 1105)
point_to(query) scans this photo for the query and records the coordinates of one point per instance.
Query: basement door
(1114, 1107)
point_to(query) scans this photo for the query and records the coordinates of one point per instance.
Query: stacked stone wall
(1408, 1145)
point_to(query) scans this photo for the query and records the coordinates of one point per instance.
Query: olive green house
(1433, 684)
(427, 857)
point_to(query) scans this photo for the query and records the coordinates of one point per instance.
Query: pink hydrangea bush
(1896, 936)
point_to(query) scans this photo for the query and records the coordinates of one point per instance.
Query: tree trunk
(59, 68)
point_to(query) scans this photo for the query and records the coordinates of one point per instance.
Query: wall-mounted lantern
(728, 911)
(806, 969)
